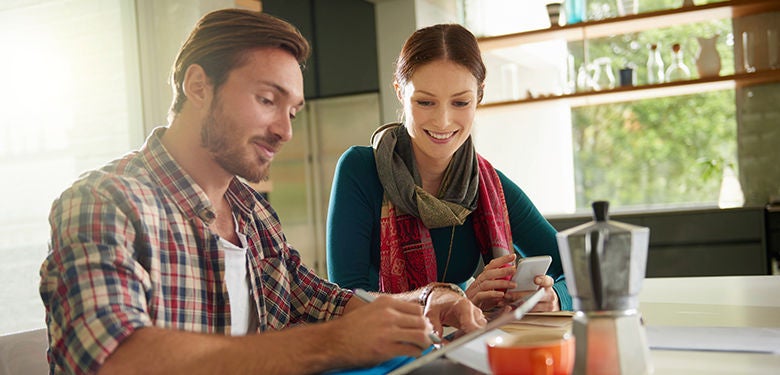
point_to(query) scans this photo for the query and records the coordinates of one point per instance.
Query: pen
(366, 297)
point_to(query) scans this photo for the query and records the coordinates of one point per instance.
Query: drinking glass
(627, 76)
(748, 51)
(627, 7)
(574, 10)
(773, 48)
(554, 12)
(510, 77)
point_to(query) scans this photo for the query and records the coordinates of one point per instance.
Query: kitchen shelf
(633, 23)
(630, 93)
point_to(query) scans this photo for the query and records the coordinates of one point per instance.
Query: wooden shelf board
(623, 94)
(633, 23)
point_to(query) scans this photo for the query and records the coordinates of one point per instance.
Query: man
(164, 262)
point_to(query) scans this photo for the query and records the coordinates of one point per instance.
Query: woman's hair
(450, 42)
(221, 41)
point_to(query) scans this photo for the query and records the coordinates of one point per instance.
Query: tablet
(519, 308)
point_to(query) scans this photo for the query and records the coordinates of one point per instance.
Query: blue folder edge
(382, 368)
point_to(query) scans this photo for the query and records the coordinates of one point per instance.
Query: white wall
(532, 147)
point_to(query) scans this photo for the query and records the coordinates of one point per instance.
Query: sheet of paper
(554, 314)
(731, 339)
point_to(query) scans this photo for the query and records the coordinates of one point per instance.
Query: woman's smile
(438, 137)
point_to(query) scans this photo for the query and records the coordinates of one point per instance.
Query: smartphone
(527, 269)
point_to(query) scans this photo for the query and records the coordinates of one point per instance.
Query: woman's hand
(550, 300)
(488, 289)
(447, 308)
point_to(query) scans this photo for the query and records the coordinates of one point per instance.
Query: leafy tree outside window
(656, 152)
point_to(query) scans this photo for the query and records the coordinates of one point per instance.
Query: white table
(724, 301)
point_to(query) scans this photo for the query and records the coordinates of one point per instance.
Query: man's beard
(218, 134)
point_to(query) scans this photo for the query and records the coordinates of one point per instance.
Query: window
(70, 102)
(662, 152)
(668, 151)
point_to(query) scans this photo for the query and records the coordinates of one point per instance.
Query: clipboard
(520, 308)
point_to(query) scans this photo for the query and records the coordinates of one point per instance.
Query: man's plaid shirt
(131, 248)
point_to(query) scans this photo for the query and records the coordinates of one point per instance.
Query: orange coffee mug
(532, 353)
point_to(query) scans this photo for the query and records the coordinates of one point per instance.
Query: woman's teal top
(353, 230)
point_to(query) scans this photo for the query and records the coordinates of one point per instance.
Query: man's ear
(197, 86)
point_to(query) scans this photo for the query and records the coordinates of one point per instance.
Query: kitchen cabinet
(299, 13)
(698, 242)
(342, 35)
(773, 235)
(302, 172)
(590, 30)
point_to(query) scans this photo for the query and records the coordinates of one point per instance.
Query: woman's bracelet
(428, 289)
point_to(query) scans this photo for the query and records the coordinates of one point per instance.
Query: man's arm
(375, 332)
(95, 294)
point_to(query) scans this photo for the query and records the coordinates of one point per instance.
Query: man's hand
(370, 333)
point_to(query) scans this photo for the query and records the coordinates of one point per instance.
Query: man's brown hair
(221, 40)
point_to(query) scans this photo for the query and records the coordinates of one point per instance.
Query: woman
(421, 205)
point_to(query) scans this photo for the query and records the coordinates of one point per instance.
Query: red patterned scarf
(407, 257)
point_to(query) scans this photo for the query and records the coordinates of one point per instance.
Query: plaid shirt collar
(176, 183)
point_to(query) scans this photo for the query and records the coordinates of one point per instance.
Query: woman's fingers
(544, 281)
(495, 274)
(496, 284)
(550, 300)
(501, 261)
(488, 287)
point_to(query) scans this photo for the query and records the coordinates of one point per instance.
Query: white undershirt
(237, 284)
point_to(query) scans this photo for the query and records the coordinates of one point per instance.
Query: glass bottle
(677, 70)
(603, 77)
(574, 10)
(655, 66)
(584, 83)
(571, 75)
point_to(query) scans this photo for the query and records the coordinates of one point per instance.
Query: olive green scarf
(457, 196)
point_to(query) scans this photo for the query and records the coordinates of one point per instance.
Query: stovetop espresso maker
(604, 263)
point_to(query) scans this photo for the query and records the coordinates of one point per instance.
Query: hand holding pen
(368, 298)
